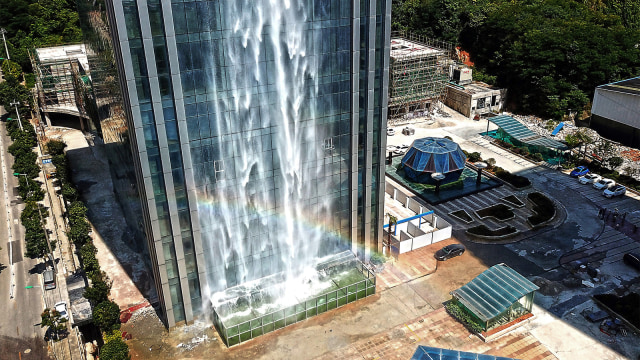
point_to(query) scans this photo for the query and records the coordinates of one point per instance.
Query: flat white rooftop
(65, 52)
(401, 48)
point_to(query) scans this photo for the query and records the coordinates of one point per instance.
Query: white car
(401, 149)
(390, 132)
(603, 183)
(589, 178)
(617, 190)
(61, 307)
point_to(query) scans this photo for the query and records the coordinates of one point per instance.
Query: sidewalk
(67, 347)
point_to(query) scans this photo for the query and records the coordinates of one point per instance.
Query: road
(21, 314)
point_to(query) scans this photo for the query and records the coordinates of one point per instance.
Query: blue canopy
(433, 353)
(434, 155)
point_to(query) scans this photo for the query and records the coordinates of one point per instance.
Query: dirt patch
(14, 348)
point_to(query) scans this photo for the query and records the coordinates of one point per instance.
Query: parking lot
(557, 256)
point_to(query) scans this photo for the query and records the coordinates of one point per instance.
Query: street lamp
(16, 103)
(3, 31)
(46, 234)
(479, 165)
(438, 177)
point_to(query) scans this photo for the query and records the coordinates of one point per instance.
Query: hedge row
(106, 314)
(25, 164)
(543, 208)
(457, 312)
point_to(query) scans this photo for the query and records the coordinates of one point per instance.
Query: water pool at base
(251, 310)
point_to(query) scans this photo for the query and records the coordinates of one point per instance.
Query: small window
(218, 167)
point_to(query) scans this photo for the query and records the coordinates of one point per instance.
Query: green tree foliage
(51, 318)
(100, 287)
(615, 162)
(30, 190)
(115, 349)
(551, 54)
(89, 261)
(56, 147)
(38, 23)
(106, 316)
(35, 238)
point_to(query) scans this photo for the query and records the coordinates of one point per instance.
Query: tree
(115, 349)
(55, 322)
(88, 254)
(106, 316)
(30, 190)
(56, 147)
(615, 162)
(100, 287)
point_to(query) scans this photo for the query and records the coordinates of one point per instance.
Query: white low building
(615, 113)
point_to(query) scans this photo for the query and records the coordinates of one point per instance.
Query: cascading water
(264, 213)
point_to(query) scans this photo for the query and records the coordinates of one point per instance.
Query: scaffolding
(419, 74)
(59, 72)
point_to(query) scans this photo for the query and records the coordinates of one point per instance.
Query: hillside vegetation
(549, 54)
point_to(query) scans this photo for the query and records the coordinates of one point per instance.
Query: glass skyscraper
(256, 131)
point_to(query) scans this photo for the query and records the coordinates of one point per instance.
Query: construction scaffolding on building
(60, 71)
(419, 73)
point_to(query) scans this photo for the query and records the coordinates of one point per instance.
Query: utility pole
(3, 31)
(15, 103)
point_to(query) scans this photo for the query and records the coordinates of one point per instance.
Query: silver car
(589, 178)
(603, 183)
(617, 190)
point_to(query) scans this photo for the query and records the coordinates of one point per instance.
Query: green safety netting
(516, 129)
(494, 291)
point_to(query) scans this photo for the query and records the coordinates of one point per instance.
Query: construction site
(420, 69)
(60, 71)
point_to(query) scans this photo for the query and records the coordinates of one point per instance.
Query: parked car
(61, 307)
(390, 132)
(407, 130)
(632, 259)
(49, 279)
(579, 171)
(401, 149)
(449, 251)
(603, 183)
(590, 178)
(617, 190)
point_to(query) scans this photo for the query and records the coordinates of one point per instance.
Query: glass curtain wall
(243, 117)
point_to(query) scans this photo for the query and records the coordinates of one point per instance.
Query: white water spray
(264, 210)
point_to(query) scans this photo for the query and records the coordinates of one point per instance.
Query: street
(21, 319)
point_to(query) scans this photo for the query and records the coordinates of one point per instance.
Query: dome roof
(431, 155)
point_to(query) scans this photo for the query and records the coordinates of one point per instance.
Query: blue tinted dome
(431, 155)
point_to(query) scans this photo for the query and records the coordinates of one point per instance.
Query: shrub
(115, 349)
(89, 261)
(538, 157)
(499, 211)
(56, 147)
(491, 162)
(474, 157)
(516, 180)
(483, 230)
(543, 207)
(106, 316)
(377, 259)
(100, 287)
(457, 312)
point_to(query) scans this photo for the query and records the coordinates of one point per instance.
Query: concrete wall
(415, 233)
